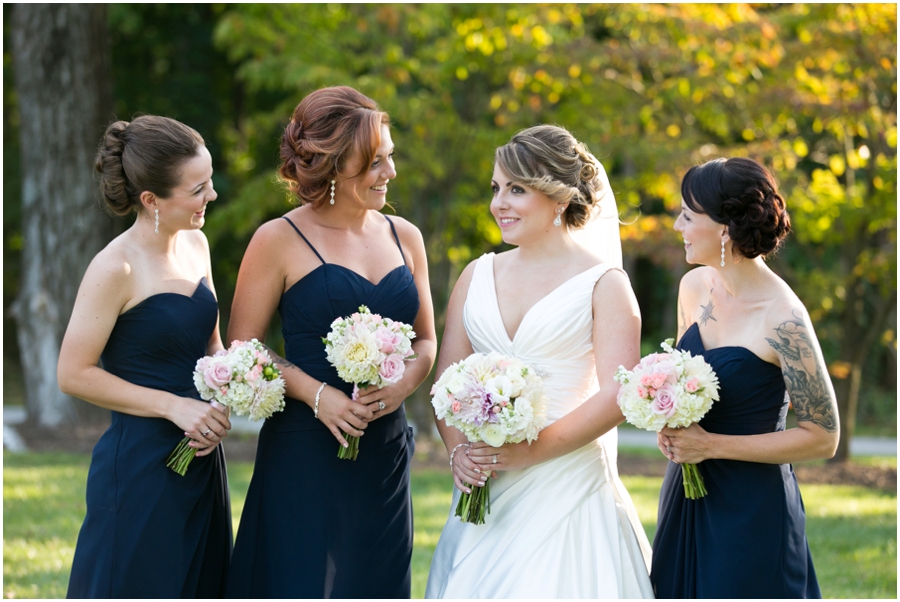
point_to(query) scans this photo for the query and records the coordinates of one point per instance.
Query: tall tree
(62, 74)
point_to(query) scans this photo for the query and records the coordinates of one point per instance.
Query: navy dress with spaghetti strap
(149, 532)
(313, 525)
(747, 537)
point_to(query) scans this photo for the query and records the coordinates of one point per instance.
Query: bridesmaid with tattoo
(747, 537)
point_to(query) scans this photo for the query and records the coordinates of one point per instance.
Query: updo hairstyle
(741, 194)
(550, 160)
(143, 155)
(328, 127)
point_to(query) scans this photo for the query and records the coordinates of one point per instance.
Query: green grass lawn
(852, 531)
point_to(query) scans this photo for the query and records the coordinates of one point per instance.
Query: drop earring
(332, 192)
(558, 222)
(722, 260)
(156, 225)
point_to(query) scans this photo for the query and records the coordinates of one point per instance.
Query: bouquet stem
(351, 451)
(181, 457)
(693, 482)
(471, 507)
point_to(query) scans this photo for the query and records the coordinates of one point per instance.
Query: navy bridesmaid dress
(315, 526)
(149, 532)
(747, 537)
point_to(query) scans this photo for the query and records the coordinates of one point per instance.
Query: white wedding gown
(565, 528)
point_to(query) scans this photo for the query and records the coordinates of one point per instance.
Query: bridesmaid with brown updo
(315, 525)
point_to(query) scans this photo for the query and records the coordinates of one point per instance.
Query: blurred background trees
(809, 90)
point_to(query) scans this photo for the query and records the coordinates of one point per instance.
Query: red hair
(327, 128)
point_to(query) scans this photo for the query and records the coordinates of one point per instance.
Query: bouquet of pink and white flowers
(368, 350)
(243, 378)
(673, 389)
(490, 398)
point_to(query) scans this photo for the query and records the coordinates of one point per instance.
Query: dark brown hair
(549, 159)
(327, 128)
(145, 154)
(741, 194)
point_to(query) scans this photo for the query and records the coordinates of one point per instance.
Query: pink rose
(665, 401)
(646, 380)
(387, 340)
(391, 369)
(255, 372)
(692, 385)
(456, 407)
(642, 392)
(217, 374)
(658, 379)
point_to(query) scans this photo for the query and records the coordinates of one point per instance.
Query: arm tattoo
(707, 311)
(804, 375)
(280, 361)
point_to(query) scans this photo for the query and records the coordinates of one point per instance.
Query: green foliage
(852, 531)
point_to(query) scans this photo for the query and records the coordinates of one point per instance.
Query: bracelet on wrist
(453, 453)
(316, 407)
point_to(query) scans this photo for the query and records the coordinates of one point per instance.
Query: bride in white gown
(561, 525)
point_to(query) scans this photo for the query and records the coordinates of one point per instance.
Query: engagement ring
(380, 405)
(495, 458)
(207, 432)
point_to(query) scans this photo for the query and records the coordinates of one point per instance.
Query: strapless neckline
(201, 283)
(696, 328)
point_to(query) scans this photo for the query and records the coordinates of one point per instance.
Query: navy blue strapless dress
(747, 537)
(149, 532)
(315, 526)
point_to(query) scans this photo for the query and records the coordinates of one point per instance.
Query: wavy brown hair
(328, 127)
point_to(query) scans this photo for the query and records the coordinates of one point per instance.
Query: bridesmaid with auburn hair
(314, 525)
(146, 311)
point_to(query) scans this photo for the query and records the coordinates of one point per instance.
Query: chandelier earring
(558, 222)
(156, 225)
(722, 260)
(332, 193)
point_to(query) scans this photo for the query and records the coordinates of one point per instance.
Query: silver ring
(381, 405)
(669, 448)
(495, 458)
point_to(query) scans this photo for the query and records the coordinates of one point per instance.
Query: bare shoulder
(409, 234)
(465, 278)
(111, 273)
(695, 284)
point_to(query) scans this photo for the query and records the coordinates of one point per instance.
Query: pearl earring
(156, 226)
(332, 192)
(722, 260)
(557, 222)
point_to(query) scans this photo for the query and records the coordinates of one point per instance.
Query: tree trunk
(857, 341)
(63, 81)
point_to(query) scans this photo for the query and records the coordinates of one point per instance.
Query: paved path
(628, 437)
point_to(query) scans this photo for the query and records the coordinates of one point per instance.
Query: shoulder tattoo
(804, 374)
(707, 311)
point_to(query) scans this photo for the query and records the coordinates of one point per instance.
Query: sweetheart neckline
(357, 274)
(191, 296)
(722, 347)
(512, 339)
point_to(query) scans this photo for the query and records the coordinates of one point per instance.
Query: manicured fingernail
(468, 491)
(484, 477)
(478, 471)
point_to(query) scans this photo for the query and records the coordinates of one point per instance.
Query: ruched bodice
(761, 408)
(149, 532)
(756, 504)
(565, 528)
(166, 356)
(331, 291)
(313, 525)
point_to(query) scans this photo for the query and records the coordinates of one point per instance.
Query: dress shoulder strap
(303, 237)
(397, 238)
